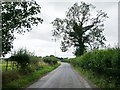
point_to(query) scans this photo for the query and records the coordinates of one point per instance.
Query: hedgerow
(102, 62)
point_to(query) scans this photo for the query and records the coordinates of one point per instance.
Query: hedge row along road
(62, 77)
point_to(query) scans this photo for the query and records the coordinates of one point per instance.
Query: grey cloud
(40, 38)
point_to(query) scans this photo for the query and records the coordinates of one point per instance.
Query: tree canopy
(82, 27)
(17, 17)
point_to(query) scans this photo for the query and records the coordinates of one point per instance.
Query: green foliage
(36, 63)
(52, 60)
(11, 75)
(28, 68)
(99, 81)
(80, 29)
(22, 57)
(102, 62)
(24, 61)
(17, 17)
(65, 60)
(25, 80)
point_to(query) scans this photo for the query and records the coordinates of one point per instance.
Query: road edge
(83, 77)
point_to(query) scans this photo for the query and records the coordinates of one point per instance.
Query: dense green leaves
(80, 29)
(22, 57)
(101, 62)
(17, 17)
(99, 59)
(52, 60)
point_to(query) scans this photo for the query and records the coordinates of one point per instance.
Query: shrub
(22, 57)
(101, 62)
(50, 60)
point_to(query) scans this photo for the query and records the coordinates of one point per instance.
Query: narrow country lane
(62, 77)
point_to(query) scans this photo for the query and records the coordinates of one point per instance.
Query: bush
(101, 62)
(50, 60)
(22, 57)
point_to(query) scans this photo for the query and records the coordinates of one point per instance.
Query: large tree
(82, 27)
(17, 17)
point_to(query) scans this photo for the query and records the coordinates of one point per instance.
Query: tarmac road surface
(62, 77)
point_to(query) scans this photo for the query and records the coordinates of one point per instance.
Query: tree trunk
(17, 65)
(11, 65)
(6, 65)
(80, 49)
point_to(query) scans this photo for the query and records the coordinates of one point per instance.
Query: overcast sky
(39, 40)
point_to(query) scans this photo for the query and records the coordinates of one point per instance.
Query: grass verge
(97, 80)
(28, 79)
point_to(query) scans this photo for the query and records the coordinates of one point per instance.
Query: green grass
(98, 80)
(28, 79)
